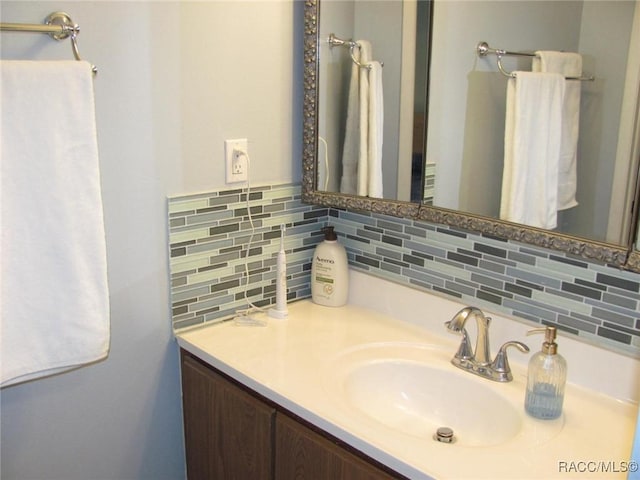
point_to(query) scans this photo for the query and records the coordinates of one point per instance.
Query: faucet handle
(500, 364)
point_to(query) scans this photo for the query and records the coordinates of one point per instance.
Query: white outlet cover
(230, 173)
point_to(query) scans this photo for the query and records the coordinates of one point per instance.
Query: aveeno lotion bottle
(330, 272)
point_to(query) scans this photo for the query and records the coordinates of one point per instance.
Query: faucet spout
(479, 362)
(457, 323)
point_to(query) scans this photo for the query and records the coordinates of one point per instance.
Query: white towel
(569, 65)
(364, 96)
(351, 148)
(532, 149)
(54, 300)
(376, 121)
(362, 151)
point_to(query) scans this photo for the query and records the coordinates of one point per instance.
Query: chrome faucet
(479, 361)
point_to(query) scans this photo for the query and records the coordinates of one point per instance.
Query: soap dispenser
(546, 378)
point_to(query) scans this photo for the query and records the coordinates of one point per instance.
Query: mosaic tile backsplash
(209, 234)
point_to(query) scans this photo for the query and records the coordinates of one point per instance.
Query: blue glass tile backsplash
(209, 235)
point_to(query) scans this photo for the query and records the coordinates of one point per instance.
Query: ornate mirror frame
(614, 255)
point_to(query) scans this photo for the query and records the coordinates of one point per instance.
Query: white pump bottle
(330, 272)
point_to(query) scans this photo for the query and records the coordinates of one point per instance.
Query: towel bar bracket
(483, 49)
(67, 27)
(334, 41)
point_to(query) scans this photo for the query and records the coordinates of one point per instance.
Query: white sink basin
(416, 399)
(413, 390)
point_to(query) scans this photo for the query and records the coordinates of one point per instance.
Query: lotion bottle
(330, 272)
(546, 378)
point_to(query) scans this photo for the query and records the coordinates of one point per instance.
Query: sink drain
(444, 435)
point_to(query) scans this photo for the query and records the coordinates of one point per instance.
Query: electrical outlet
(237, 163)
(236, 156)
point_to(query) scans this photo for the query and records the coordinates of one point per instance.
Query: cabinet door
(228, 433)
(303, 454)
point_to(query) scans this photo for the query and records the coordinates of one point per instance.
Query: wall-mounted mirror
(444, 112)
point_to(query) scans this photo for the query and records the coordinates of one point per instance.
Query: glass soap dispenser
(546, 378)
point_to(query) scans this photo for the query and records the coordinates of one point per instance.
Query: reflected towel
(54, 299)
(569, 65)
(362, 151)
(532, 149)
(375, 124)
(364, 96)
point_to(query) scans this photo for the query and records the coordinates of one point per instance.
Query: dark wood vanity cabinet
(233, 434)
(228, 433)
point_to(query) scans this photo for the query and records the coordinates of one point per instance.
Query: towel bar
(483, 49)
(334, 41)
(58, 25)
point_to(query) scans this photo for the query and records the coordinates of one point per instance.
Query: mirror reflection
(443, 107)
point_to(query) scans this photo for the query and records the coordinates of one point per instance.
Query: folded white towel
(532, 149)
(570, 65)
(54, 299)
(376, 125)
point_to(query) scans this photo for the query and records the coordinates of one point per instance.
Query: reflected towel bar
(483, 49)
(334, 41)
(58, 25)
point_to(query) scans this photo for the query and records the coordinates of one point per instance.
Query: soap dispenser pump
(546, 378)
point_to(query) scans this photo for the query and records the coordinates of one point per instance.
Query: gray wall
(604, 27)
(333, 88)
(175, 80)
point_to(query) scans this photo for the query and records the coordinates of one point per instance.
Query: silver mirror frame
(613, 255)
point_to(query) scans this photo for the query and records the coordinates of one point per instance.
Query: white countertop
(293, 362)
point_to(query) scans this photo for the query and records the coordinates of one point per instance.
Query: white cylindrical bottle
(330, 272)
(280, 311)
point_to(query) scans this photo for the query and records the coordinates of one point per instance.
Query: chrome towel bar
(334, 41)
(58, 25)
(483, 49)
